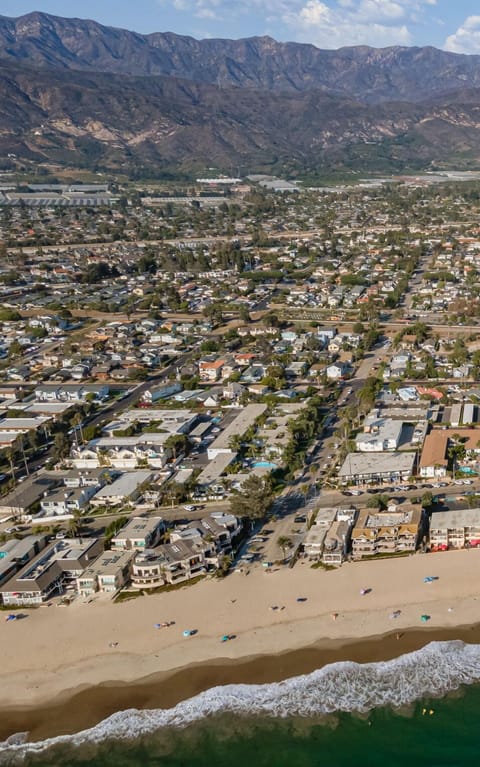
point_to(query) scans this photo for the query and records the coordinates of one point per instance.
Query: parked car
(190, 507)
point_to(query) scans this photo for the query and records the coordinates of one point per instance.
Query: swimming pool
(264, 465)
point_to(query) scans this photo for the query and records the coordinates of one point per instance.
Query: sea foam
(433, 671)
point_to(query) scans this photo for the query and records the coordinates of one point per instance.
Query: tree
(15, 349)
(427, 499)
(10, 456)
(75, 525)
(175, 492)
(235, 443)
(61, 446)
(77, 423)
(224, 564)
(456, 452)
(284, 542)
(91, 432)
(177, 443)
(209, 346)
(379, 502)
(213, 312)
(255, 499)
(244, 314)
(112, 529)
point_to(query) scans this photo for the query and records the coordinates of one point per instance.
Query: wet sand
(76, 711)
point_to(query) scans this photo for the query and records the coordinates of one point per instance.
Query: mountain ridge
(369, 74)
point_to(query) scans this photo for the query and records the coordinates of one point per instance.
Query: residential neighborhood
(198, 391)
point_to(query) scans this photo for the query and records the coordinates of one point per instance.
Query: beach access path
(58, 650)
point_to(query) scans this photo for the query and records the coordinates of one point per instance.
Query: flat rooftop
(108, 563)
(375, 464)
(245, 418)
(443, 520)
(215, 468)
(125, 484)
(138, 527)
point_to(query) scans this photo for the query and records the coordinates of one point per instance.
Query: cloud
(467, 37)
(326, 23)
(360, 22)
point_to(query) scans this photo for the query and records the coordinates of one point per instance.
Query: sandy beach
(108, 657)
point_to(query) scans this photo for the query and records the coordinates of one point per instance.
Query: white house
(124, 489)
(336, 370)
(385, 434)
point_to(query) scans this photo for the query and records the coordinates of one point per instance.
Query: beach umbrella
(187, 633)
(424, 618)
(11, 618)
(225, 638)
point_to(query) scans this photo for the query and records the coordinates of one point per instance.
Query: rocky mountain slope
(100, 120)
(78, 94)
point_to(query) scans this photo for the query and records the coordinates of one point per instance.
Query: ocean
(422, 708)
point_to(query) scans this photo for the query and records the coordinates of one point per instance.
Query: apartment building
(397, 529)
(457, 529)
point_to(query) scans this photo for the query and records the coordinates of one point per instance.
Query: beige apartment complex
(387, 532)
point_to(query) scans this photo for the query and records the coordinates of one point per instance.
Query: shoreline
(80, 709)
(74, 666)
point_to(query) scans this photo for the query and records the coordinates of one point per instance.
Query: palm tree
(77, 422)
(10, 455)
(284, 542)
(226, 483)
(235, 443)
(75, 525)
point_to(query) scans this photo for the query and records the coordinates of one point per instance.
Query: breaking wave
(433, 671)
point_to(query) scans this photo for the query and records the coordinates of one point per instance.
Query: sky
(453, 25)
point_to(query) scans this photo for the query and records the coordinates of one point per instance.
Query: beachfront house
(108, 574)
(51, 572)
(139, 533)
(455, 529)
(328, 538)
(170, 563)
(15, 554)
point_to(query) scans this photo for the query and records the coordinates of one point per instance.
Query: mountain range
(79, 94)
